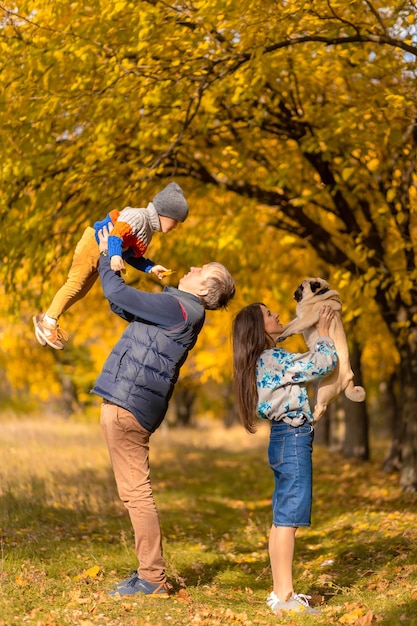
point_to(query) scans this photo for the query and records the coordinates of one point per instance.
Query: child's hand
(117, 263)
(160, 271)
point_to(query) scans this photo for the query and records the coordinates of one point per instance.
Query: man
(136, 384)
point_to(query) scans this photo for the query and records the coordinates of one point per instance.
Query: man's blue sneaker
(139, 585)
(121, 583)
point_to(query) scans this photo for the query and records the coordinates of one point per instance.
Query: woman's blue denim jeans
(289, 452)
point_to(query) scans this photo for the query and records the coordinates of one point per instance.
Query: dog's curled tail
(355, 393)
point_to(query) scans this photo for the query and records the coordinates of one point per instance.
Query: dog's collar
(322, 291)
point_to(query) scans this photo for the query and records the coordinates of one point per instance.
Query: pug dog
(311, 295)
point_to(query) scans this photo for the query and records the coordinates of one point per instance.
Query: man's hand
(103, 235)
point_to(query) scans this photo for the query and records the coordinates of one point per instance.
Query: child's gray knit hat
(170, 202)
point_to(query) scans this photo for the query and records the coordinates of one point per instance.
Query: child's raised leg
(81, 277)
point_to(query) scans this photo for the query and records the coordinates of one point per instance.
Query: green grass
(60, 517)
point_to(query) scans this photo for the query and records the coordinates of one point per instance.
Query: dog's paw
(355, 393)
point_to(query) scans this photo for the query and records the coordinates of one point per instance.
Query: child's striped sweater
(132, 233)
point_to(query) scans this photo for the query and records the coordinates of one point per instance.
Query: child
(132, 232)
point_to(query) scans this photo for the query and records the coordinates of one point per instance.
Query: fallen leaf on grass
(239, 618)
(88, 573)
(76, 596)
(356, 617)
(183, 596)
(366, 619)
(351, 617)
(316, 599)
(283, 615)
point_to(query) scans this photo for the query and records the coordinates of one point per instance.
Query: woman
(270, 383)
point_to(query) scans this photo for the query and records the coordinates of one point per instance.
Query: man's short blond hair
(220, 288)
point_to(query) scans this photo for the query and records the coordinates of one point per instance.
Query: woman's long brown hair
(249, 341)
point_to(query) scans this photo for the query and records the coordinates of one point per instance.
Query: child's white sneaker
(36, 320)
(49, 333)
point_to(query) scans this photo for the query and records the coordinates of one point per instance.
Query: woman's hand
(325, 318)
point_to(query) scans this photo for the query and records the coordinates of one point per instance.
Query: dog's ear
(314, 285)
(298, 293)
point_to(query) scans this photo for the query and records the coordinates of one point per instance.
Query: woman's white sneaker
(298, 602)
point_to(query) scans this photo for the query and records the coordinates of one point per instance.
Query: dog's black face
(314, 286)
(298, 293)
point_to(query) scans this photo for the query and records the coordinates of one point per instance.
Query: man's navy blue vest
(140, 373)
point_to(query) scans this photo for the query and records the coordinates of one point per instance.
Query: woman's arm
(278, 367)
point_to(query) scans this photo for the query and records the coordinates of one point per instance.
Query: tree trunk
(183, 400)
(408, 406)
(323, 426)
(230, 414)
(356, 441)
(393, 417)
(68, 402)
(329, 430)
